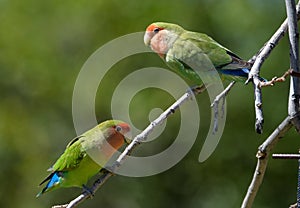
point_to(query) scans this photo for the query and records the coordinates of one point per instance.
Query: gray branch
(259, 59)
(262, 161)
(215, 104)
(294, 94)
(293, 118)
(135, 142)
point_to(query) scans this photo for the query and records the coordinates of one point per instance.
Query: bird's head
(123, 128)
(160, 35)
(119, 130)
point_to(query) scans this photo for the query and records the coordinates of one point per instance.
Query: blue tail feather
(54, 179)
(236, 72)
(244, 72)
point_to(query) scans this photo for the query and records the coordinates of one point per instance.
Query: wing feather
(71, 157)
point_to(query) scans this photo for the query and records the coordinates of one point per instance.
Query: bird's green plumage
(191, 50)
(76, 163)
(216, 53)
(75, 166)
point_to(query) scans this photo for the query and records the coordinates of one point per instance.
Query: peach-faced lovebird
(76, 165)
(182, 49)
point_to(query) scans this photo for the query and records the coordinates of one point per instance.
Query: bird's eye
(156, 30)
(118, 128)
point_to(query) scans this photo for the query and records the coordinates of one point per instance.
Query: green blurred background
(43, 47)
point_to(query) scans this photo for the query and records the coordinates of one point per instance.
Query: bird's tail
(54, 180)
(238, 74)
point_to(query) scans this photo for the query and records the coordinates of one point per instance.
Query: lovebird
(182, 49)
(77, 164)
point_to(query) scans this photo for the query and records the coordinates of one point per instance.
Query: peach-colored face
(116, 140)
(155, 38)
(125, 128)
(159, 39)
(150, 32)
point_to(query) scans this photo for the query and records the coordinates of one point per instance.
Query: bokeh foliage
(43, 47)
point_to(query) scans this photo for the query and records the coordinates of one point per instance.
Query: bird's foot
(111, 169)
(197, 89)
(88, 191)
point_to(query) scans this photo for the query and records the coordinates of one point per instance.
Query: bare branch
(294, 95)
(215, 104)
(274, 80)
(259, 58)
(286, 156)
(262, 161)
(278, 79)
(259, 121)
(135, 142)
(60, 206)
(274, 39)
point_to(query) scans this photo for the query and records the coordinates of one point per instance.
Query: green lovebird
(83, 155)
(189, 52)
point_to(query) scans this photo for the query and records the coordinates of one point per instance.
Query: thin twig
(277, 36)
(294, 95)
(259, 121)
(286, 156)
(259, 58)
(135, 142)
(216, 101)
(262, 161)
(274, 80)
(60, 206)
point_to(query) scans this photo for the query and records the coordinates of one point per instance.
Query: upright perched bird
(186, 52)
(77, 164)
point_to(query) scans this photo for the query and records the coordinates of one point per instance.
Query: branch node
(259, 126)
(250, 79)
(197, 89)
(260, 154)
(259, 105)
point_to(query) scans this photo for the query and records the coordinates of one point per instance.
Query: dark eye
(118, 128)
(156, 30)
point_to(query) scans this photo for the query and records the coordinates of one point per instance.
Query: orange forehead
(125, 127)
(151, 27)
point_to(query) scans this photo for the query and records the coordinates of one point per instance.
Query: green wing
(220, 56)
(217, 54)
(72, 156)
(199, 51)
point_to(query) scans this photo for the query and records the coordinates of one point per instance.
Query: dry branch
(215, 104)
(265, 149)
(259, 59)
(262, 161)
(294, 95)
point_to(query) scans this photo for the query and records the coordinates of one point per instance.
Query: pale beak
(147, 37)
(128, 137)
